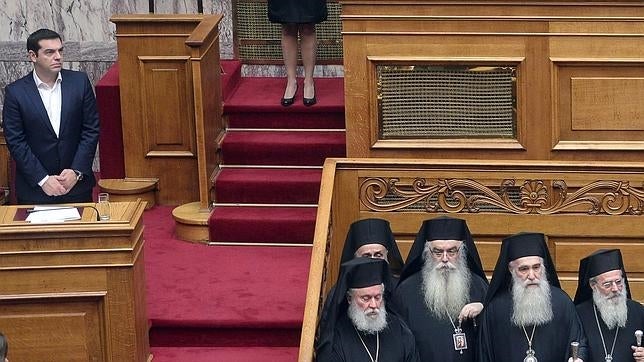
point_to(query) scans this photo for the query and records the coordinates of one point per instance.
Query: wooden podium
(74, 291)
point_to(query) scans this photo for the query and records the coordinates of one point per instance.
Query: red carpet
(263, 224)
(213, 354)
(225, 288)
(243, 185)
(261, 132)
(281, 148)
(239, 303)
(256, 94)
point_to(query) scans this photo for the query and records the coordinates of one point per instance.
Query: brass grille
(257, 40)
(446, 101)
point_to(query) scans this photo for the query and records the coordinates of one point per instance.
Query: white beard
(531, 305)
(445, 286)
(370, 321)
(613, 311)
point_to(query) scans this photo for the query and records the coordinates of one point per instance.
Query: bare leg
(289, 52)
(309, 50)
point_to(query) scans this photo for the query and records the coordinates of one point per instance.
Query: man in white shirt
(51, 126)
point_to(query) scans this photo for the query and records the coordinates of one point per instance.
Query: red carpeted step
(286, 119)
(227, 354)
(268, 186)
(263, 94)
(200, 295)
(295, 225)
(230, 77)
(304, 148)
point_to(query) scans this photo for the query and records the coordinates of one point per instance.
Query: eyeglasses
(608, 284)
(438, 253)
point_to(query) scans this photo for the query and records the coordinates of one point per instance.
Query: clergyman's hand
(638, 353)
(470, 311)
(53, 186)
(67, 178)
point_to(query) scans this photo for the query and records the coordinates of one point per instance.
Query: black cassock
(396, 343)
(501, 341)
(625, 337)
(434, 337)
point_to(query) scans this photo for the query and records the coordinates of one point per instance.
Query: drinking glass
(103, 206)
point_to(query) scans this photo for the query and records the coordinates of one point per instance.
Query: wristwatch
(79, 175)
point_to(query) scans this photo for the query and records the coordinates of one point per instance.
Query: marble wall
(87, 32)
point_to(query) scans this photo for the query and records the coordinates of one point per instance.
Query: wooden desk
(74, 291)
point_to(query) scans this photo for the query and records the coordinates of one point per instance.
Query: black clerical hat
(442, 228)
(372, 231)
(518, 246)
(365, 274)
(599, 262)
(356, 273)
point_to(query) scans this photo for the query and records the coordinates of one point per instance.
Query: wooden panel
(595, 105)
(40, 329)
(607, 104)
(168, 110)
(605, 39)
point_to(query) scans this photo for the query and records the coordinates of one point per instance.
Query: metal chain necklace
(367, 349)
(608, 356)
(530, 354)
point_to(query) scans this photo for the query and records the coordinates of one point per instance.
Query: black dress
(297, 11)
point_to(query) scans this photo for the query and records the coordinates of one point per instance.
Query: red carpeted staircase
(267, 189)
(243, 299)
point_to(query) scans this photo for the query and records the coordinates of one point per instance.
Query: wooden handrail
(205, 31)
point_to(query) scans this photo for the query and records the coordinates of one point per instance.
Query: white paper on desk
(50, 214)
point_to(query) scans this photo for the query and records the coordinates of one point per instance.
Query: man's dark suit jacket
(33, 143)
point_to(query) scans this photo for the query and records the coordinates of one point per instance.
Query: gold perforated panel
(257, 40)
(446, 101)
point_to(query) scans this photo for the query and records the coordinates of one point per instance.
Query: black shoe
(289, 101)
(310, 101)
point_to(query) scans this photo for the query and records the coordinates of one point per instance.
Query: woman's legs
(309, 50)
(289, 52)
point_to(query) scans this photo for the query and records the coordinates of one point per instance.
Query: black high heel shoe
(289, 101)
(310, 101)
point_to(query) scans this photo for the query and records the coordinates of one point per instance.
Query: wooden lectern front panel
(67, 329)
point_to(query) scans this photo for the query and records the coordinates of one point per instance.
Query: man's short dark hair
(38, 35)
(4, 347)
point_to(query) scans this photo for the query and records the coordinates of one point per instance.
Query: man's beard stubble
(612, 308)
(531, 304)
(445, 286)
(370, 321)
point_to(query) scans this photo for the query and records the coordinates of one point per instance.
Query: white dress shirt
(52, 99)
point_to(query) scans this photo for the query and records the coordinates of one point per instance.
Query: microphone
(574, 350)
(98, 215)
(638, 337)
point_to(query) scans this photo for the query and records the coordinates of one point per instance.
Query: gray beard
(531, 305)
(370, 324)
(446, 290)
(614, 311)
